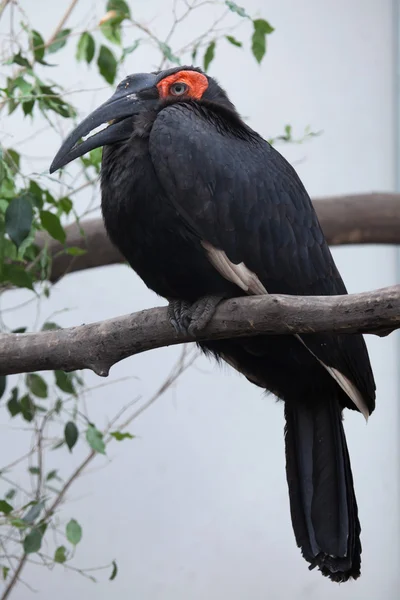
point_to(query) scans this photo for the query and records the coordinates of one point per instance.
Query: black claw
(177, 313)
(189, 319)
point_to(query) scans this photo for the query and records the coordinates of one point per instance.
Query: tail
(322, 500)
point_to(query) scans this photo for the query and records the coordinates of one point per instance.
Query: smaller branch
(61, 24)
(15, 577)
(3, 6)
(179, 368)
(98, 346)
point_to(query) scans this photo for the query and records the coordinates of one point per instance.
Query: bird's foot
(189, 318)
(177, 310)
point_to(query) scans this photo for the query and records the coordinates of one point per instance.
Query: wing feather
(256, 221)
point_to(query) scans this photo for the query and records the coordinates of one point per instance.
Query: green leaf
(74, 251)
(18, 59)
(107, 64)
(27, 106)
(33, 512)
(209, 55)
(71, 434)
(114, 571)
(27, 408)
(86, 47)
(23, 85)
(74, 532)
(232, 40)
(36, 194)
(59, 444)
(119, 435)
(52, 475)
(50, 100)
(64, 382)
(236, 9)
(94, 438)
(19, 523)
(66, 204)
(38, 45)
(194, 54)
(51, 223)
(33, 541)
(19, 216)
(5, 571)
(258, 41)
(167, 52)
(13, 404)
(60, 555)
(5, 507)
(12, 159)
(111, 29)
(288, 131)
(129, 50)
(50, 326)
(37, 385)
(263, 26)
(59, 41)
(120, 6)
(34, 470)
(3, 170)
(3, 383)
(10, 494)
(17, 276)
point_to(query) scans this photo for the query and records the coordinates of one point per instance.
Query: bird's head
(134, 95)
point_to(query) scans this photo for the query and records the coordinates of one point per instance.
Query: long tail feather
(322, 499)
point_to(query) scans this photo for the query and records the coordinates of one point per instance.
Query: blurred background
(196, 505)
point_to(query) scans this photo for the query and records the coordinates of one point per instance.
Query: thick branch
(358, 219)
(100, 345)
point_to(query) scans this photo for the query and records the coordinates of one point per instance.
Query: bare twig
(3, 6)
(100, 345)
(62, 22)
(15, 577)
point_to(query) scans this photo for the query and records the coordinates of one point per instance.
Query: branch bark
(355, 219)
(98, 346)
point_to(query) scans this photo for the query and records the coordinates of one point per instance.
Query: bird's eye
(178, 88)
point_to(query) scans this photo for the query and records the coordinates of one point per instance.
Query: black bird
(204, 209)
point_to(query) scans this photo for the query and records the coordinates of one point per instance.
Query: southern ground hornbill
(204, 209)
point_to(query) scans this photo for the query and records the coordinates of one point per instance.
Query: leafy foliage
(32, 204)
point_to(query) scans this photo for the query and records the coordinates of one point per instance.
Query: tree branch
(356, 219)
(98, 346)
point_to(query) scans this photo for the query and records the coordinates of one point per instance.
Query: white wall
(196, 507)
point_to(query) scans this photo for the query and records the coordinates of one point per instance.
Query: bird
(204, 209)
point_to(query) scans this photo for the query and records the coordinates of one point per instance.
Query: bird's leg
(201, 313)
(177, 310)
(190, 318)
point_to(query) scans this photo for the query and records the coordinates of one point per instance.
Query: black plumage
(200, 205)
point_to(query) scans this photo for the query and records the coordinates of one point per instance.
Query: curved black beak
(124, 103)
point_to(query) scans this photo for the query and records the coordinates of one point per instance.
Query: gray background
(196, 507)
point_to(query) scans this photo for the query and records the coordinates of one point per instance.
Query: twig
(62, 22)
(3, 6)
(15, 577)
(179, 368)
